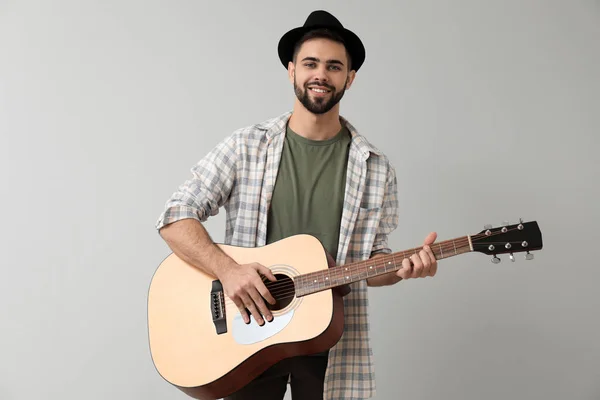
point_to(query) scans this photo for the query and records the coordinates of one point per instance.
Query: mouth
(319, 90)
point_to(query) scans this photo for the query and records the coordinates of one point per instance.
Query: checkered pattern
(239, 174)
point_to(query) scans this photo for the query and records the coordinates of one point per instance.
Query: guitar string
(279, 288)
(273, 286)
(283, 288)
(288, 290)
(284, 292)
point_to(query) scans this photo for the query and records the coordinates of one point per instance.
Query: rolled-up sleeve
(389, 214)
(207, 190)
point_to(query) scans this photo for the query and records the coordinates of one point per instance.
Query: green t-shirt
(309, 191)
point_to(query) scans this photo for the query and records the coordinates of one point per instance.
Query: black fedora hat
(321, 19)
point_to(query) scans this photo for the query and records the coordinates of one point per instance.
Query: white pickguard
(254, 333)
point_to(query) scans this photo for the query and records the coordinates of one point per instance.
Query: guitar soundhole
(283, 290)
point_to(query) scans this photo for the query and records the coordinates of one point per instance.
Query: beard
(318, 105)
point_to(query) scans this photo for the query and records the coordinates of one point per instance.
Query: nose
(321, 74)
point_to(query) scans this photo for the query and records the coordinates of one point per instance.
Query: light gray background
(488, 110)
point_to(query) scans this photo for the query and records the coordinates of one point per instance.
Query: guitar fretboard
(326, 279)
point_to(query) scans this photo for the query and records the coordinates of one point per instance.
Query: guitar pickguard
(253, 333)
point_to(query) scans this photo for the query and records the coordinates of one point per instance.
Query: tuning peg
(529, 256)
(512, 257)
(495, 260)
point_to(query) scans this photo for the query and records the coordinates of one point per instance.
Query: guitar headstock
(508, 239)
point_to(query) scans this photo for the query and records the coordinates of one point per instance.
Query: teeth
(319, 90)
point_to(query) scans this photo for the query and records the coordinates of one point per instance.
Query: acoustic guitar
(200, 344)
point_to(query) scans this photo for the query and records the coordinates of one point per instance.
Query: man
(308, 171)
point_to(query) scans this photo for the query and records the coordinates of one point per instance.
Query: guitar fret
(336, 277)
(305, 283)
(299, 285)
(365, 269)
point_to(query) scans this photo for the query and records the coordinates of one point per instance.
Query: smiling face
(320, 74)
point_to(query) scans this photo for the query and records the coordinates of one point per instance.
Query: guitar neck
(327, 279)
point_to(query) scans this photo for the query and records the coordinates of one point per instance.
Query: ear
(291, 71)
(350, 79)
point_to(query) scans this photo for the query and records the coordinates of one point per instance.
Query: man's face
(320, 74)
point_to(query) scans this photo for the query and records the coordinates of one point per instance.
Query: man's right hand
(244, 286)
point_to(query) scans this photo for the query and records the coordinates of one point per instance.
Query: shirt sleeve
(207, 190)
(389, 214)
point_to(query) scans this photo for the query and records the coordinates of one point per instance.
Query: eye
(335, 67)
(309, 65)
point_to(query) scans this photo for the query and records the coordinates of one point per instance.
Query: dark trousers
(306, 373)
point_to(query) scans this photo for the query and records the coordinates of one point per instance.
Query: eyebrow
(317, 60)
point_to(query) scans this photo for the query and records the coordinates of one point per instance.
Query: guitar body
(208, 357)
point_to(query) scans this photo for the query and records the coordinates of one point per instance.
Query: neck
(337, 276)
(313, 126)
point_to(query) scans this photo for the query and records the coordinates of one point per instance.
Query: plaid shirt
(239, 174)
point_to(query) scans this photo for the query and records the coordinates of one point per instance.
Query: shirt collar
(276, 126)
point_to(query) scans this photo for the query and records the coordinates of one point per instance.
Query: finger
(417, 266)
(240, 305)
(426, 261)
(266, 272)
(261, 286)
(253, 310)
(264, 292)
(406, 270)
(260, 303)
(430, 238)
(433, 269)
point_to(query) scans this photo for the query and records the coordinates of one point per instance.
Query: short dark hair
(322, 33)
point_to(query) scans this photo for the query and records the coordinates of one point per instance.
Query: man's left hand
(422, 264)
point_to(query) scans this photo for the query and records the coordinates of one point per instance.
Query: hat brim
(353, 43)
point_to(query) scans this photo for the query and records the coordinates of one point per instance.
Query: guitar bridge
(217, 307)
